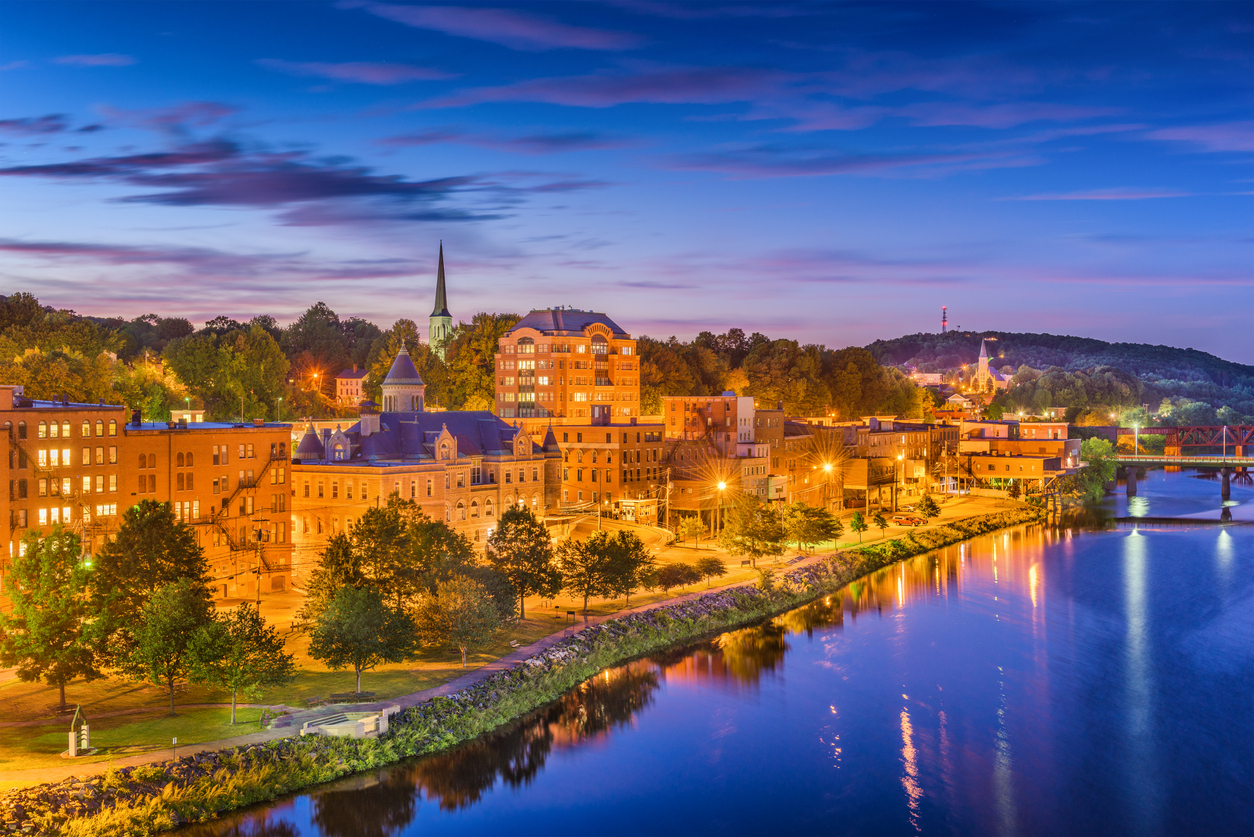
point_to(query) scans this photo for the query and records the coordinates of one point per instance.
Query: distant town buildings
(349, 384)
(987, 378)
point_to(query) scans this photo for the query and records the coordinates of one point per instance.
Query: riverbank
(153, 798)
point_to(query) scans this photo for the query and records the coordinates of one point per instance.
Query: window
(86, 456)
(86, 431)
(363, 490)
(461, 510)
(215, 456)
(461, 479)
(152, 460)
(143, 460)
(444, 451)
(487, 508)
(306, 488)
(348, 490)
(474, 508)
(43, 487)
(189, 460)
(178, 483)
(335, 489)
(320, 493)
(42, 433)
(100, 484)
(429, 488)
(86, 485)
(21, 430)
(113, 427)
(179, 461)
(113, 457)
(113, 483)
(226, 484)
(251, 454)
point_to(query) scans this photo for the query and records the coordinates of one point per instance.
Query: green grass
(26, 748)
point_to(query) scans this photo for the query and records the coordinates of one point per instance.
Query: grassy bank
(155, 798)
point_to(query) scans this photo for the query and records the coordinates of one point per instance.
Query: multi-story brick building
(604, 464)
(567, 364)
(83, 465)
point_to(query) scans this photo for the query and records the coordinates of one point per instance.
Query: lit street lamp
(719, 511)
(280, 409)
(901, 457)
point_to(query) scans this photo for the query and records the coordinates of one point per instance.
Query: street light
(827, 483)
(721, 485)
(280, 408)
(901, 457)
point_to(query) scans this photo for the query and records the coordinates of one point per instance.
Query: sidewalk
(289, 725)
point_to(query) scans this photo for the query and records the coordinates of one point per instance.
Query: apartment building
(604, 464)
(566, 363)
(83, 465)
(349, 385)
(995, 454)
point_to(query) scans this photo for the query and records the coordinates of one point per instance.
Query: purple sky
(834, 173)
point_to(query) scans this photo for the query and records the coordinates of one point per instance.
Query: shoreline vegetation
(150, 799)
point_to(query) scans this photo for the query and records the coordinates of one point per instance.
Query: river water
(1035, 681)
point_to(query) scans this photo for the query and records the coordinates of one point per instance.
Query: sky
(834, 173)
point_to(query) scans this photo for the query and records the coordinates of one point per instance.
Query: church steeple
(441, 323)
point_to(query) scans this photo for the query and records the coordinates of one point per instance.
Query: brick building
(603, 464)
(567, 364)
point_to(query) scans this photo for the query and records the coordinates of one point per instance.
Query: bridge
(1225, 464)
(1238, 438)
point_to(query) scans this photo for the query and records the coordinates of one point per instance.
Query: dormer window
(444, 450)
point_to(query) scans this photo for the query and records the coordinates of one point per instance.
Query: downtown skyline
(830, 173)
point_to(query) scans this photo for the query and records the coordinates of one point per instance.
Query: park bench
(513, 643)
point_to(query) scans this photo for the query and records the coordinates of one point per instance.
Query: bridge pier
(1225, 490)
(1131, 483)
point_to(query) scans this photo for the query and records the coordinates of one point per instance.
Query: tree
(753, 528)
(150, 551)
(358, 630)
(171, 619)
(691, 527)
(459, 613)
(49, 632)
(880, 521)
(806, 524)
(629, 561)
(521, 549)
(928, 508)
(1099, 459)
(710, 568)
(858, 524)
(1015, 491)
(240, 652)
(585, 572)
(677, 575)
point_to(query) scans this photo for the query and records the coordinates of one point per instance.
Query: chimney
(183, 423)
(135, 419)
(354, 367)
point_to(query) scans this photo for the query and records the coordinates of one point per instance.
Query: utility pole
(257, 531)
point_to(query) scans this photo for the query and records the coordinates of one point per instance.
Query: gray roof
(403, 371)
(353, 373)
(567, 321)
(310, 446)
(413, 436)
(440, 309)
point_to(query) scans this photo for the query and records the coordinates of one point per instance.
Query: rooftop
(353, 373)
(557, 321)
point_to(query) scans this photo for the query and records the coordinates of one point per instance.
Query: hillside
(1163, 371)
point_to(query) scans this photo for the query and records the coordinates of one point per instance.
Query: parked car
(908, 508)
(908, 520)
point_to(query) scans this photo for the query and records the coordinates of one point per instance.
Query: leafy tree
(240, 652)
(858, 524)
(753, 528)
(880, 522)
(238, 368)
(677, 575)
(358, 630)
(150, 551)
(318, 339)
(459, 613)
(471, 355)
(629, 561)
(522, 550)
(806, 524)
(585, 572)
(163, 638)
(710, 568)
(49, 632)
(927, 507)
(691, 527)
(1015, 491)
(1098, 456)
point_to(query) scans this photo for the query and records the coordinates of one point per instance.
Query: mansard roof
(415, 436)
(567, 321)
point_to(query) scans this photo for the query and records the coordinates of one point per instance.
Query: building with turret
(441, 322)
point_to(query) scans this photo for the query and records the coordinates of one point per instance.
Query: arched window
(337, 452)
(487, 508)
(599, 345)
(99, 427)
(189, 481)
(189, 460)
(474, 508)
(143, 461)
(461, 510)
(535, 502)
(21, 430)
(113, 427)
(86, 428)
(65, 429)
(179, 464)
(579, 456)
(594, 457)
(152, 460)
(444, 453)
(43, 430)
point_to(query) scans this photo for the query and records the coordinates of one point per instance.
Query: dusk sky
(833, 173)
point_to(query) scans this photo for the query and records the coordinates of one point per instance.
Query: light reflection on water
(1033, 681)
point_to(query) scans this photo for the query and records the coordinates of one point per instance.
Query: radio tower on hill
(944, 318)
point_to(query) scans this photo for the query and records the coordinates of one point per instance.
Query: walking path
(290, 724)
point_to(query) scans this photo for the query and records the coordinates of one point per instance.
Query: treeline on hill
(1093, 377)
(256, 368)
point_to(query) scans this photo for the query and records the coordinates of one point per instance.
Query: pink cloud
(360, 72)
(1229, 136)
(503, 26)
(171, 120)
(104, 59)
(1006, 115)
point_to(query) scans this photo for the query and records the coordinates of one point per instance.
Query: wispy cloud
(999, 115)
(517, 30)
(543, 143)
(13, 65)
(1225, 136)
(104, 59)
(1114, 194)
(358, 72)
(656, 85)
(176, 121)
(780, 161)
(53, 123)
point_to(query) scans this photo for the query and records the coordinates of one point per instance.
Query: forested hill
(1164, 371)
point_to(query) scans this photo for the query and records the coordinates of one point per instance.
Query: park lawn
(123, 735)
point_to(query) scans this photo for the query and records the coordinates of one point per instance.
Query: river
(1034, 681)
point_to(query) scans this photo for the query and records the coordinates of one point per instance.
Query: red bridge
(1237, 438)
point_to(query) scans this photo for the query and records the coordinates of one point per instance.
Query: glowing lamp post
(901, 458)
(721, 486)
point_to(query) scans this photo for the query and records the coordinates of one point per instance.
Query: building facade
(349, 385)
(567, 364)
(602, 465)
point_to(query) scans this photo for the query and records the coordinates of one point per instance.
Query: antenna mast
(944, 318)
